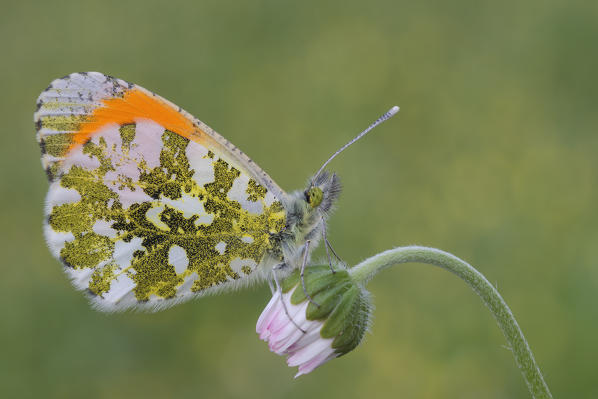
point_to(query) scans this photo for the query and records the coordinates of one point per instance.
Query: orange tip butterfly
(149, 207)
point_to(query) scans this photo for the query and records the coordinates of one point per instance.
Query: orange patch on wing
(133, 105)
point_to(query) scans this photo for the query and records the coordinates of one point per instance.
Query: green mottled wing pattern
(143, 217)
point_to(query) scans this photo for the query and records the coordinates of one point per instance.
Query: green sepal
(343, 305)
(288, 283)
(352, 335)
(341, 315)
(293, 279)
(327, 301)
(316, 281)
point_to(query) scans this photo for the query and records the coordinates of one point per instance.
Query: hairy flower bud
(330, 325)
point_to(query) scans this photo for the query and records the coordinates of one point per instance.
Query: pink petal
(271, 318)
(307, 353)
(309, 337)
(297, 313)
(284, 325)
(279, 347)
(267, 314)
(315, 362)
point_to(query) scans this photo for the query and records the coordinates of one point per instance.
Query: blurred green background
(492, 157)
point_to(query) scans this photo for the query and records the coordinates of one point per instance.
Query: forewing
(148, 207)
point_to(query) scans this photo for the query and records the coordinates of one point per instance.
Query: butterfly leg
(328, 247)
(302, 274)
(272, 289)
(279, 288)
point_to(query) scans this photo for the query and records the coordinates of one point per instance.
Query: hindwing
(148, 206)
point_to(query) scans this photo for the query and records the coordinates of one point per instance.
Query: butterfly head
(322, 191)
(314, 196)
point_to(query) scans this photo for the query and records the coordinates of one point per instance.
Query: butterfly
(148, 206)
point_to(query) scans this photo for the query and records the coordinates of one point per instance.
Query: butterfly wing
(147, 206)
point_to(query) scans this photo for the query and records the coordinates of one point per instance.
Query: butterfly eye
(314, 196)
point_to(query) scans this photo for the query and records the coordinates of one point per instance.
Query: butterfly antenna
(387, 115)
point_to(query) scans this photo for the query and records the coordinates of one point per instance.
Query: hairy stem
(524, 358)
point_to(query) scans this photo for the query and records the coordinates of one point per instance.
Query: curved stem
(524, 358)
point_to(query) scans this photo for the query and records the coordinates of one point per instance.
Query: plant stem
(524, 358)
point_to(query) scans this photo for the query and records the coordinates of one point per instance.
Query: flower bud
(310, 333)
